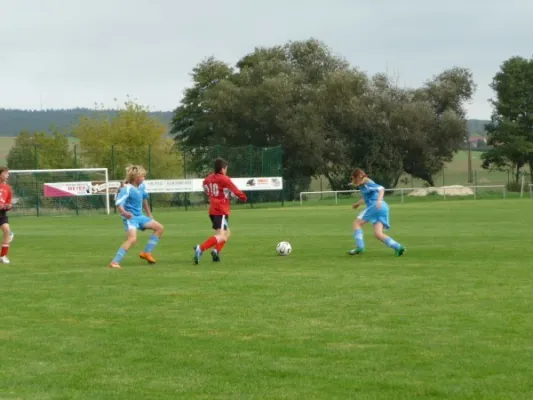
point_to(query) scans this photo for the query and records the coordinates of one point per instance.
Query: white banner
(69, 189)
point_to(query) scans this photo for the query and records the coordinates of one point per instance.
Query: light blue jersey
(131, 198)
(370, 192)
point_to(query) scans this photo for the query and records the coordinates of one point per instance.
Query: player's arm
(359, 202)
(121, 200)
(235, 190)
(7, 202)
(147, 209)
(381, 194)
(146, 204)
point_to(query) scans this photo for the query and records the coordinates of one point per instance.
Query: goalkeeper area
(450, 319)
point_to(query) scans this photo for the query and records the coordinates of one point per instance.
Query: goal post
(60, 191)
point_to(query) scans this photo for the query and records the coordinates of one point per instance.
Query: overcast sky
(75, 53)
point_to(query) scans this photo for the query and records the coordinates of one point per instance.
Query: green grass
(449, 320)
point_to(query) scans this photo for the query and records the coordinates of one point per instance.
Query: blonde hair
(133, 172)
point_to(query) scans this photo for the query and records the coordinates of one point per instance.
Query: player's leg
(217, 222)
(390, 242)
(158, 230)
(223, 234)
(358, 235)
(6, 232)
(131, 239)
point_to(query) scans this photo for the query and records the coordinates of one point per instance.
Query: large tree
(130, 136)
(328, 116)
(510, 132)
(41, 150)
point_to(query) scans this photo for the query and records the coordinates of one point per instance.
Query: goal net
(60, 191)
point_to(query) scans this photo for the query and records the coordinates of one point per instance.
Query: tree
(40, 151)
(130, 136)
(510, 131)
(328, 116)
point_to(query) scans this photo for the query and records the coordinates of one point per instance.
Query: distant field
(456, 173)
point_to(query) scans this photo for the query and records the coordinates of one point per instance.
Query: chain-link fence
(160, 163)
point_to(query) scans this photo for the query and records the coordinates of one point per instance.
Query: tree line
(328, 116)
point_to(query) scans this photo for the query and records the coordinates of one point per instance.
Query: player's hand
(127, 215)
(378, 205)
(7, 207)
(356, 205)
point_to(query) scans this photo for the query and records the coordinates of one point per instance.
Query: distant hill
(12, 122)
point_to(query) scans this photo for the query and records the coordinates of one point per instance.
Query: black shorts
(219, 222)
(4, 220)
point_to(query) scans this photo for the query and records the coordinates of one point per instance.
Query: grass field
(451, 319)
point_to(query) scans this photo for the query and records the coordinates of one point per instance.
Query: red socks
(212, 241)
(220, 245)
(5, 249)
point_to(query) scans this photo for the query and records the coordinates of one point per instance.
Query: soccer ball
(283, 248)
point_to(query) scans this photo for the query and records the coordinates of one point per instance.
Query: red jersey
(218, 187)
(5, 196)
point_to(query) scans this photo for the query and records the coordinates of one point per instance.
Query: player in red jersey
(218, 186)
(5, 205)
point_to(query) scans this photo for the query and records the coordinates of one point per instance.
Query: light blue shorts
(136, 222)
(373, 215)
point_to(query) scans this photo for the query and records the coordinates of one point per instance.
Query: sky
(78, 53)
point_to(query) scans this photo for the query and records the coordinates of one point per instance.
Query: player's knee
(160, 229)
(380, 235)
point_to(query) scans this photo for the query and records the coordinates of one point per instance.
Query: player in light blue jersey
(376, 212)
(130, 202)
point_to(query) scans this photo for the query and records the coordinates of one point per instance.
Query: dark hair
(3, 169)
(220, 164)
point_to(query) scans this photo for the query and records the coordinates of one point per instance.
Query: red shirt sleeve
(231, 186)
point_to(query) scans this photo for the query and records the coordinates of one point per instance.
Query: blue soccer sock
(392, 244)
(152, 242)
(121, 253)
(358, 237)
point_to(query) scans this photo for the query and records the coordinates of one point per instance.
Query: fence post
(36, 165)
(186, 195)
(251, 170)
(150, 172)
(113, 167)
(36, 157)
(76, 175)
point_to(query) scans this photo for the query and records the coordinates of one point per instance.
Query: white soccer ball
(283, 248)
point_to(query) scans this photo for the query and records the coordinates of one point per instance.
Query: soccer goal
(61, 191)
